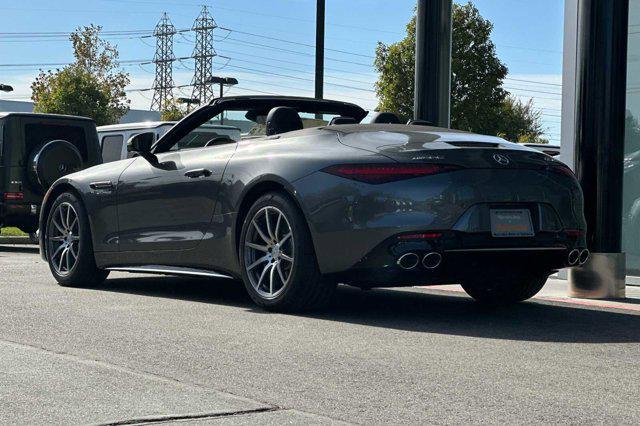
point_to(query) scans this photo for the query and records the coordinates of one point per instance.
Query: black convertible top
(311, 105)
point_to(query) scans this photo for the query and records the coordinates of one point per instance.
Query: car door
(169, 204)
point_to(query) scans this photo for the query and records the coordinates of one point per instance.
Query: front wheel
(279, 266)
(69, 246)
(506, 288)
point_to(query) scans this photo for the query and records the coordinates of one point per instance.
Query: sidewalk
(556, 290)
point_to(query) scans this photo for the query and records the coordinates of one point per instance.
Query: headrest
(342, 120)
(282, 120)
(385, 118)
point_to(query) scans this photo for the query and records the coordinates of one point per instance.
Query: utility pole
(203, 54)
(320, 49)
(164, 57)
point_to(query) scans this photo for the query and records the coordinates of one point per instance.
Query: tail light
(562, 169)
(387, 172)
(13, 196)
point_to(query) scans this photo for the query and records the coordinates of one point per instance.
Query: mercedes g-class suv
(35, 150)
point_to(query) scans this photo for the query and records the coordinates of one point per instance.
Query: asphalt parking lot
(142, 349)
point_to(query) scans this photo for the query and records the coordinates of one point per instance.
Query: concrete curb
(16, 240)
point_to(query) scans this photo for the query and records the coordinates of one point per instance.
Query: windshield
(253, 124)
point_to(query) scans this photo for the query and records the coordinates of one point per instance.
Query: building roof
(40, 115)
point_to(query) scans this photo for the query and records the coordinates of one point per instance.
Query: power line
(296, 43)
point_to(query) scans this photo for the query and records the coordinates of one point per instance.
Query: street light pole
(223, 81)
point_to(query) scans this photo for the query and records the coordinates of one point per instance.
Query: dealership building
(600, 124)
(601, 130)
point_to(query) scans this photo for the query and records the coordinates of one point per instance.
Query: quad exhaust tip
(408, 261)
(432, 260)
(584, 256)
(574, 257)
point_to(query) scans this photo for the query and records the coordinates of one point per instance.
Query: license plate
(511, 223)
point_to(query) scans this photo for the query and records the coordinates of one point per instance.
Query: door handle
(197, 173)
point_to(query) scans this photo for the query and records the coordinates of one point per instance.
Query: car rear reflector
(13, 196)
(423, 236)
(387, 172)
(575, 232)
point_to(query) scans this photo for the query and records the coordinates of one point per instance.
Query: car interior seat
(282, 120)
(342, 120)
(383, 117)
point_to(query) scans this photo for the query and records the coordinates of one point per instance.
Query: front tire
(506, 288)
(278, 261)
(69, 246)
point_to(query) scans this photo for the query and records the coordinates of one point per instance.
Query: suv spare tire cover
(52, 160)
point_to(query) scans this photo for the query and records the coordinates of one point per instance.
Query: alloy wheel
(63, 238)
(269, 252)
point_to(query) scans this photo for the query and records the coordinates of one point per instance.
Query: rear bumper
(381, 266)
(349, 220)
(19, 214)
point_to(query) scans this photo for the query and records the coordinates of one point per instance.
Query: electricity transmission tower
(203, 54)
(164, 57)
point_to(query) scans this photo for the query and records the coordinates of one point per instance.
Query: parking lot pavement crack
(184, 417)
(139, 373)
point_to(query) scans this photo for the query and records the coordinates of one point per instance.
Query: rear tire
(280, 273)
(507, 288)
(68, 230)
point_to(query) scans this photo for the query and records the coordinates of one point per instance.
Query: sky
(268, 45)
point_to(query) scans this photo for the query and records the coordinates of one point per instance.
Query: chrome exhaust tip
(408, 261)
(574, 257)
(584, 256)
(432, 260)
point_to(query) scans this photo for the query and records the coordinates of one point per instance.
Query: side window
(112, 148)
(205, 135)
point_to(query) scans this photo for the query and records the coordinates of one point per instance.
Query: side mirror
(141, 143)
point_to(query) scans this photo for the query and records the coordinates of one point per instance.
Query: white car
(113, 138)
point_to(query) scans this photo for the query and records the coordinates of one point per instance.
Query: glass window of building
(631, 188)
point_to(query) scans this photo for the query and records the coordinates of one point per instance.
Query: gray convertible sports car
(309, 198)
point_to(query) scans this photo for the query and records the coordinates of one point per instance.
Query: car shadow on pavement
(416, 310)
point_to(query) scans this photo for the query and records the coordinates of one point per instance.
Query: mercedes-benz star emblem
(501, 159)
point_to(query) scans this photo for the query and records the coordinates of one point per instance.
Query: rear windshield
(37, 134)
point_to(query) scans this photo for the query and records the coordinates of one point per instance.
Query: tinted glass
(631, 186)
(112, 148)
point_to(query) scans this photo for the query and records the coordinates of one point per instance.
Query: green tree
(172, 111)
(92, 86)
(479, 103)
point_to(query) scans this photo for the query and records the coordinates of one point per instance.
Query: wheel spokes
(63, 238)
(258, 247)
(262, 235)
(267, 264)
(257, 262)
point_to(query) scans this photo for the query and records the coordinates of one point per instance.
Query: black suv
(35, 150)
